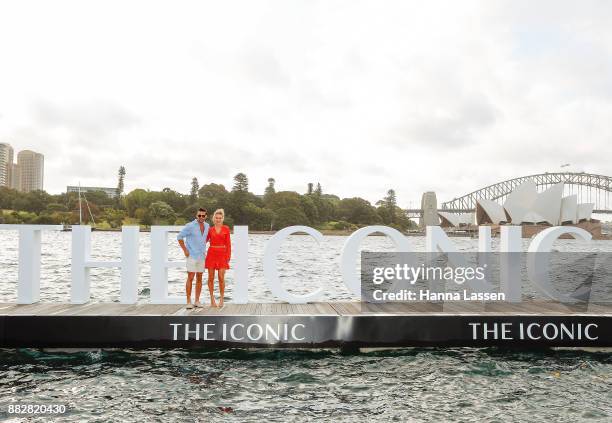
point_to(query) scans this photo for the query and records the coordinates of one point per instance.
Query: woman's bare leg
(211, 287)
(221, 286)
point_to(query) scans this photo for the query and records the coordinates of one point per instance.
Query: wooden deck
(318, 325)
(536, 308)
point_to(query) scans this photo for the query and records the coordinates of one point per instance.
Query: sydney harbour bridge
(589, 188)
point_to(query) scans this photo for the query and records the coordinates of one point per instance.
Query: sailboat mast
(80, 207)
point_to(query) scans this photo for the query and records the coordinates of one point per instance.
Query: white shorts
(194, 265)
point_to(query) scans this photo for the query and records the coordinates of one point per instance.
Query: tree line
(273, 210)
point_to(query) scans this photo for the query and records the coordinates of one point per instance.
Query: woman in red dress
(218, 256)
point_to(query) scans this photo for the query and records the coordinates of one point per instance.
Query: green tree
(241, 183)
(114, 217)
(215, 193)
(120, 185)
(145, 217)
(176, 200)
(7, 197)
(239, 199)
(391, 200)
(63, 218)
(99, 197)
(137, 199)
(141, 213)
(258, 218)
(289, 216)
(327, 206)
(388, 208)
(270, 190)
(357, 210)
(44, 219)
(33, 201)
(56, 207)
(284, 199)
(161, 211)
(195, 187)
(309, 208)
(401, 220)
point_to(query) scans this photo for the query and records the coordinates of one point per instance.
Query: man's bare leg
(221, 286)
(188, 284)
(198, 289)
(211, 287)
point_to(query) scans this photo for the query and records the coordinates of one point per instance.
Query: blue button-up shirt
(195, 240)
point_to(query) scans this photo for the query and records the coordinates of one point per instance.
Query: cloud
(263, 67)
(360, 96)
(93, 118)
(448, 126)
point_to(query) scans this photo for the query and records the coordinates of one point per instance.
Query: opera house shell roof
(454, 219)
(525, 205)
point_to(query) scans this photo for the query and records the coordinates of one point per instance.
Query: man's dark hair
(202, 209)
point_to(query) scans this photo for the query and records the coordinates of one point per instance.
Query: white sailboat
(82, 196)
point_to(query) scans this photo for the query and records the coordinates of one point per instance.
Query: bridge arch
(589, 187)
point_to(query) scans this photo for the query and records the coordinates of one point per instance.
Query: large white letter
(538, 260)
(240, 252)
(82, 263)
(160, 265)
(484, 239)
(510, 247)
(271, 271)
(437, 242)
(28, 284)
(350, 253)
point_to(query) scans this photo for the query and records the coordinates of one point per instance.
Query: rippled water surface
(429, 385)
(402, 385)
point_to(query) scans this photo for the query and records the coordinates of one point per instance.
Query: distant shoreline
(331, 232)
(255, 232)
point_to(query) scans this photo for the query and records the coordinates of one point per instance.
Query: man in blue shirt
(192, 239)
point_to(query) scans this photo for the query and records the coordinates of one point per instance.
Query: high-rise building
(6, 164)
(31, 170)
(25, 175)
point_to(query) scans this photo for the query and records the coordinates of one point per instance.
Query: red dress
(220, 248)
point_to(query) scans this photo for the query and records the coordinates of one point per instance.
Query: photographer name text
(427, 295)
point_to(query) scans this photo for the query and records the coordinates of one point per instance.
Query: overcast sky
(360, 96)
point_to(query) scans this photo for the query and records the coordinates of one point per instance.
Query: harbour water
(418, 385)
(413, 385)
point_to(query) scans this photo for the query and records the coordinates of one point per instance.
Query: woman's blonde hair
(219, 211)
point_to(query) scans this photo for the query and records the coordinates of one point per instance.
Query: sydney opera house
(526, 207)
